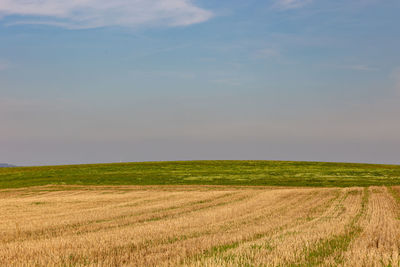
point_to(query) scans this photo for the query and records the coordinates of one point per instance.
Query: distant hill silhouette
(4, 165)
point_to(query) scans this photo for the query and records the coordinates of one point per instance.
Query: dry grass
(199, 226)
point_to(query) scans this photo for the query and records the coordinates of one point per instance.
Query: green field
(279, 173)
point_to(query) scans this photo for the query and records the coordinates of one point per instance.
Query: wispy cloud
(291, 4)
(267, 53)
(353, 67)
(360, 67)
(78, 14)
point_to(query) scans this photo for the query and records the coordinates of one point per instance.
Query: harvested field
(199, 225)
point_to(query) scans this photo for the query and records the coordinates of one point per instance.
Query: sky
(90, 81)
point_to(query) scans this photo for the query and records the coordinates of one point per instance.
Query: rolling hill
(277, 173)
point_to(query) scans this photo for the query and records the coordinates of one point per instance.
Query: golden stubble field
(199, 226)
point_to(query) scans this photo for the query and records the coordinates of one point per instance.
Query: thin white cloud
(291, 4)
(267, 53)
(78, 14)
(360, 67)
(353, 67)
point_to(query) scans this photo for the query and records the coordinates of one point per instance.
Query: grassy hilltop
(281, 173)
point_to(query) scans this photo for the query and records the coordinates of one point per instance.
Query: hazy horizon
(149, 80)
(190, 160)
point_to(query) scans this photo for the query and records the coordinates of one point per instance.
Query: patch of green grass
(268, 173)
(266, 246)
(38, 203)
(338, 243)
(396, 195)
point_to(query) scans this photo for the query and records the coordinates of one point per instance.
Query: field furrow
(379, 242)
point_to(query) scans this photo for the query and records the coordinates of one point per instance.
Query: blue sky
(131, 80)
